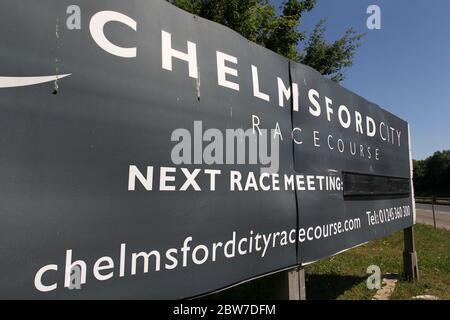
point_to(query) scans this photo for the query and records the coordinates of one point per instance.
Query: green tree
(432, 175)
(419, 167)
(258, 21)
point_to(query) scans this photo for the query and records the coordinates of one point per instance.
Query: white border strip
(411, 175)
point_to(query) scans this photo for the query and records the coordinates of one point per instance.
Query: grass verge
(344, 276)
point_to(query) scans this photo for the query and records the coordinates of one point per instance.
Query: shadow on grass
(329, 286)
(274, 287)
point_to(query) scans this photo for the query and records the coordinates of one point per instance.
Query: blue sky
(404, 67)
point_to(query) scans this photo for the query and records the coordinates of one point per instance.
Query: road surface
(425, 215)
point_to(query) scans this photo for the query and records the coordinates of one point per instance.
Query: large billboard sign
(149, 153)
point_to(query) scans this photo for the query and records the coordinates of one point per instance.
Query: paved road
(425, 215)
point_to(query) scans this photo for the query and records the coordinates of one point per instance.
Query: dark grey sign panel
(99, 200)
(64, 171)
(344, 136)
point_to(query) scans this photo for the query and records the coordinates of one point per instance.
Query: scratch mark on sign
(56, 86)
(198, 86)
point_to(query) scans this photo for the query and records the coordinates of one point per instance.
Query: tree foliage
(259, 21)
(432, 176)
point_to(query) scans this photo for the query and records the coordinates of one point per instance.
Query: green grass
(344, 276)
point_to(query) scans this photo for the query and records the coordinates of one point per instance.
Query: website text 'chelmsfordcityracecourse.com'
(105, 267)
(200, 254)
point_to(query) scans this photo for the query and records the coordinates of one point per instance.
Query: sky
(404, 67)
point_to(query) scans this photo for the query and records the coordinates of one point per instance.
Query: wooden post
(302, 283)
(296, 283)
(410, 265)
(433, 202)
(293, 284)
